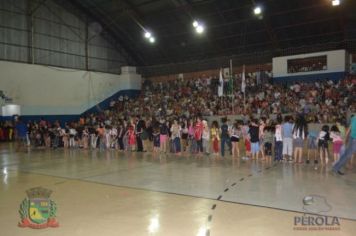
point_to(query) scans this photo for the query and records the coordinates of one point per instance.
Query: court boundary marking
(171, 193)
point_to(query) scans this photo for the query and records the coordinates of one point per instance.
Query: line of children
(261, 139)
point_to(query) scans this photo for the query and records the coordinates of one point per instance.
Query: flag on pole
(243, 82)
(231, 85)
(221, 84)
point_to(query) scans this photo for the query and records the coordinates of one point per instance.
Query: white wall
(41, 90)
(336, 62)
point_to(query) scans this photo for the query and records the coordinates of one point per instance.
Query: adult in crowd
(350, 147)
(21, 133)
(287, 129)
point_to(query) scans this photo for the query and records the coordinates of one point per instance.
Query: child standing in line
(198, 132)
(206, 138)
(120, 136)
(164, 134)
(93, 137)
(101, 136)
(287, 129)
(225, 136)
(191, 140)
(278, 146)
(184, 136)
(125, 139)
(335, 135)
(113, 137)
(176, 133)
(131, 137)
(72, 134)
(64, 134)
(215, 137)
(107, 135)
(255, 139)
(156, 140)
(323, 139)
(85, 138)
(262, 126)
(246, 137)
(312, 144)
(235, 138)
(268, 141)
(299, 134)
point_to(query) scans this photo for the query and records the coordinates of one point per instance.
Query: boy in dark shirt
(255, 140)
(225, 137)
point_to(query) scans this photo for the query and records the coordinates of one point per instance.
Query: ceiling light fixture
(148, 35)
(195, 24)
(200, 29)
(257, 10)
(335, 3)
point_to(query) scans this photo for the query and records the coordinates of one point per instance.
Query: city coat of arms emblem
(37, 211)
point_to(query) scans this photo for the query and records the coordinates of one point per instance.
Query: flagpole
(244, 78)
(245, 101)
(232, 87)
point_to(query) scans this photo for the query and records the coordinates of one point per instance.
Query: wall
(42, 90)
(336, 67)
(56, 35)
(215, 72)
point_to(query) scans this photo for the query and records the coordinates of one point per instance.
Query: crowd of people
(328, 100)
(169, 117)
(265, 139)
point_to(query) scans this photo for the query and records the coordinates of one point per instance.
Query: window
(308, 64)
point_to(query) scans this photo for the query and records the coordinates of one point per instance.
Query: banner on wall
(11, 110)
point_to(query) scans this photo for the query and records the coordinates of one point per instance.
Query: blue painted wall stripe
(335, 76)
(74, 117)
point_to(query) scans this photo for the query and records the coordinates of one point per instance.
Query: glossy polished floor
(113, 193)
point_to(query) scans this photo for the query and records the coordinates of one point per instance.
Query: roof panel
(230, 26)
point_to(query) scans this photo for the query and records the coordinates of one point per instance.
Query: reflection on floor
(112, 193)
